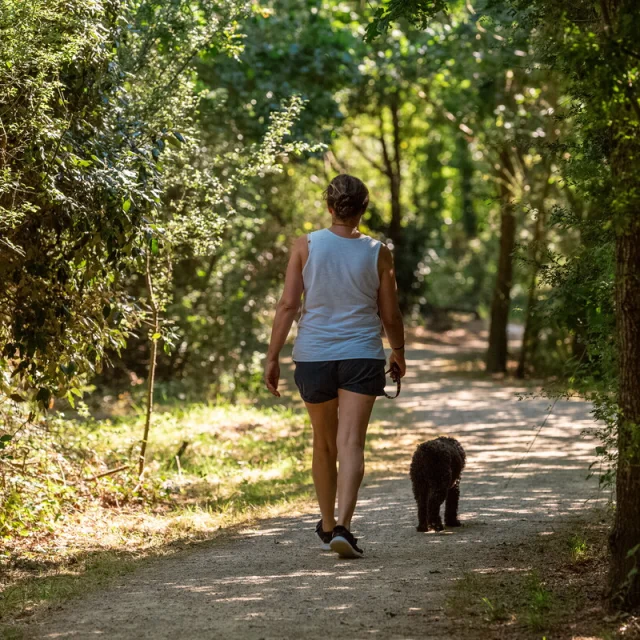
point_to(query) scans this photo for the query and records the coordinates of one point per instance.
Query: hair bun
(347, 196)
(344, 205)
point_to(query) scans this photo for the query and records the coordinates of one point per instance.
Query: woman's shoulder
(300, 248)
(308, 237)
(385, 253)
(372, 242)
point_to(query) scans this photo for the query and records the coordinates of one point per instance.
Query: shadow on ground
(274, 582)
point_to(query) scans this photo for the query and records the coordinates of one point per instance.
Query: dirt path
(274, 582)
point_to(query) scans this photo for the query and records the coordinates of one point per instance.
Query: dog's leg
(436, 498)
(421, 500)
(451, 506)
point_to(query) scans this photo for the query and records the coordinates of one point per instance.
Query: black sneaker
(344, 544)
(325, 536)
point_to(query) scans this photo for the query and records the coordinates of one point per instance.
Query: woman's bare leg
(353, 420)
(324, 419)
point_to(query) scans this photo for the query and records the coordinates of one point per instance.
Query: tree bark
(624, 542)
(395, 228)
(497, 352)
(624, 584)
(393, 172)
(392, 163)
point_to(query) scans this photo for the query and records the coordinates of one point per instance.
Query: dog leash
(394, 370)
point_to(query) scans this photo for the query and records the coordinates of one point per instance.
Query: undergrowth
(210, 467)
(550, 589)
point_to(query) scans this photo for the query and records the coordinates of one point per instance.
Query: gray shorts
(320, 381)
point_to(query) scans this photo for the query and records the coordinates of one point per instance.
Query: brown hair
(347, 196)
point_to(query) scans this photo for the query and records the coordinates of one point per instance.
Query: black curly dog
(435, 475)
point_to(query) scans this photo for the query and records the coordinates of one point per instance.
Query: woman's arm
(390, 309)
(286, 310)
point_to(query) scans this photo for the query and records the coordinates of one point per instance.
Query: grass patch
(495, 611)
(538, 602)
(578, 548)
(553, 588)
(210, 468)
(96, 569)
(12, 632)
(519, 600)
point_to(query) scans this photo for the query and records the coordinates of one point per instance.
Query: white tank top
(339, 318)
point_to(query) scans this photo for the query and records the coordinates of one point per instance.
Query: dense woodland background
(157, 157)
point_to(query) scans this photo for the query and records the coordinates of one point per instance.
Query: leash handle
(394, 370)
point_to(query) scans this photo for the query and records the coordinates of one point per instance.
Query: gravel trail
(273, 581)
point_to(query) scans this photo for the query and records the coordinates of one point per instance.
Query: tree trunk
(395, 177)
(530, 334)
(624, 582)
(624, 541)
(395, 228)
(497, 352)
(465, 164)
(393, 170)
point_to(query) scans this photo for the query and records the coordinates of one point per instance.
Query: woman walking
(349, 286)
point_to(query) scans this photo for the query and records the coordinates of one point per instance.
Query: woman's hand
(272, 376)
(397, 357)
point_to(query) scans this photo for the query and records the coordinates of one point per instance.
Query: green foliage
(218, 301)
(291, 47)
(60, 183)
(580, 42)
(592, 46)
(466, 102)
(523, 599)
(108, 167)
(196, 137)
(592, 52)
(539, 601)
(420, 13)
(103, 173)
(82, 174)
(217, 297)
(594, 59)
(578, 548)
(495, 612)
(33, 484)
(235, 459)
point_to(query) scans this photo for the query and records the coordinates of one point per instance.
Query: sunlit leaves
(94, 97)
(419, 12)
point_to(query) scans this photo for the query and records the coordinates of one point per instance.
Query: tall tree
(292, 48)
(619, 30)
(387, 84)
(536, 251)
(497, 350)
(593, 45)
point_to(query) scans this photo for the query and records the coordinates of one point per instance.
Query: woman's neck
(345, 229)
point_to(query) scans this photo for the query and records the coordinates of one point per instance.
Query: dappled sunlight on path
(272, 581)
